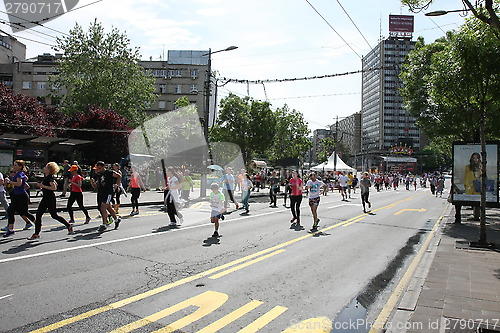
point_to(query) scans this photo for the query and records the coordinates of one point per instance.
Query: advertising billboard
(467, 169)
(401, 25)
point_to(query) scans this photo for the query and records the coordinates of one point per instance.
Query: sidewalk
(456, 288)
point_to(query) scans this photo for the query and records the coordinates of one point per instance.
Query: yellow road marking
(226, 320)
(348, 224)
(262, 321)
(189, 279)
(207, 303)
(234, 269)
(382, 318)
(410, 210)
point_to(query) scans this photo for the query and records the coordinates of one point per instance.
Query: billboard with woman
(467, 170)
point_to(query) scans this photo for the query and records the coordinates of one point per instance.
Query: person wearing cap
(76, 193)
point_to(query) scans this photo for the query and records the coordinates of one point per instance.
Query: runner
(287, 190)
(171, 198)
(76, 194)
(229, 183)
(246, 186)
(107, 182)
(349, 183)
(217, 200)
(3, 197)
(274, 185)
(343, 180)
(66, 177)
(48, 202)
(18, 198)
(295, 198)
(135, 187)
(364, 185)
(119, 190)
(314, 186)
(187, 187)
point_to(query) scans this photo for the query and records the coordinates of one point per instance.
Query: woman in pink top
(76, 194)
(295, 184)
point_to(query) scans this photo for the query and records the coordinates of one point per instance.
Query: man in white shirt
(343, 180)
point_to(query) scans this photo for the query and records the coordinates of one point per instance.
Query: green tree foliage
(449, 84)
(486, 11)
(437, 155)
(101, 69)
(291, 132)
(248, 123)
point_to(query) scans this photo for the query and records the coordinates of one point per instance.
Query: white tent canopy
(330, 165)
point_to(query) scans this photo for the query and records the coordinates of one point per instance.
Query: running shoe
(181, 219)
(117, 223)
(71, 221)
(215, 234)
(70, 230)
(87, 220)
(27, 226)
(102, 228)
(9, 233)
(110, 220)
(33, 237)
(132, 213)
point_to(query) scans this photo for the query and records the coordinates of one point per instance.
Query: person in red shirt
(296, 185)
(76, 193)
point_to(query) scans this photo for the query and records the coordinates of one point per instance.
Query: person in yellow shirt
(472, 173)
(349, 183)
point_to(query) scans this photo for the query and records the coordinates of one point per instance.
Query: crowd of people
(111, 182)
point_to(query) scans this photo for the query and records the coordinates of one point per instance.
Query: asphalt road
(261, 275)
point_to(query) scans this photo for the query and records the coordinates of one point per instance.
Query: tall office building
(384, 121)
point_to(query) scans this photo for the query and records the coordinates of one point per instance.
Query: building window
(194, 73)
(26, 84)
(41, 85)
(162, 105)
(163, 88)
(178, 73)
(193, 89)
(159, 72)
(178, 89)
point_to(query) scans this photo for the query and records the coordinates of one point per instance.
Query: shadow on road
(211, 241)
(29, 245)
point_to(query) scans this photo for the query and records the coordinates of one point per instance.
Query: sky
(276, 39)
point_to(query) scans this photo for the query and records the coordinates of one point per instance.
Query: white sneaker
(180, 220)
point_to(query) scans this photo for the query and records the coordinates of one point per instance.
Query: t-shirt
(186, 183)
(351, 177)
(295, 184)
(274, 182)
(134, 180)
(246, 185)
(343, 180)
(47, 180)
(20, 189)
(105, 182)
(174, 192)
(364, 185)
(77, 178)
(314, 188)
(228, 181)
(217, 201)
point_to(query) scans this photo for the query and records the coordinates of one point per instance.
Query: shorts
(216, 214)
(364, 196)
(104, 198)
(314, 201)
(343, 188)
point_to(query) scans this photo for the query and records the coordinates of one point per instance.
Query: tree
(248, 123)
(437, 155)
(108, 130)
(100, 69)
(450, 84)
(487, 14)
(452, 87)
(24, 115)
(291, 132)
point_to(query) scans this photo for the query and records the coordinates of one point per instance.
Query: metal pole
(206, 114)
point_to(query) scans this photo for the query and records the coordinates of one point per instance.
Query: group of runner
(107, 183)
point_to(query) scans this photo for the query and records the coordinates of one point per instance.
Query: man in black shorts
(105, 183)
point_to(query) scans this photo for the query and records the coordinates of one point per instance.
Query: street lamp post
(206, 113)
(444, 12)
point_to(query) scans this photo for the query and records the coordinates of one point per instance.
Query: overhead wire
(331, 27)
(349, 16)
(33, 22)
